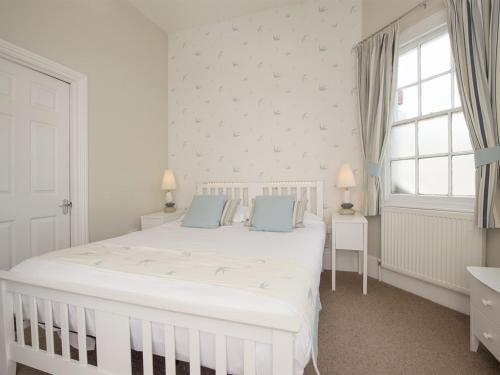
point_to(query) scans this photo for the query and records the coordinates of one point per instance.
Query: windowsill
(437, 203)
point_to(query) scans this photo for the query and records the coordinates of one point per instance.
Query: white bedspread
(303, 245)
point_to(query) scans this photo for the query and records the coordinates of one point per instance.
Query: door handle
(66, 206)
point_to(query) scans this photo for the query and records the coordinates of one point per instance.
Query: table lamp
(345, 180)
(168, 184)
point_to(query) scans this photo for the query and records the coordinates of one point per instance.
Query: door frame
(78, 130)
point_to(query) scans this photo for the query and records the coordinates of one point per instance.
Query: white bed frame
(113, 311)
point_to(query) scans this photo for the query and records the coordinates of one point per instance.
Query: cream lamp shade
(168, 182)
(345, 177)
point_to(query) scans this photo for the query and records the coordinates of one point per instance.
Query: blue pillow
(273, 213)
(205, 211)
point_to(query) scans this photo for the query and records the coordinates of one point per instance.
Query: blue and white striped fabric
(474, 34)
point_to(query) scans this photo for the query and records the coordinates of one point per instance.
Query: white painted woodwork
(158, 218)
(78, 132)
(113, 310)
(35, 343)
(485, 308)
(34, 167)
(169, 349)
(249, 357)
(194, 352)
(113, 336)
(311, 190)
(49, 327)
(18, 302)
(147, 348)
(350, 233)
(7, 337)
(64, 330)
(220, 355)
(434, 246)
(82, 335)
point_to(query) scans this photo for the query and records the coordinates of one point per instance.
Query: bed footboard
(113, 312)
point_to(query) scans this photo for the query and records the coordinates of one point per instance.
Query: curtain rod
(421, 4)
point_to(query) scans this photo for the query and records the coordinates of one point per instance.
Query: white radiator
(435, 246)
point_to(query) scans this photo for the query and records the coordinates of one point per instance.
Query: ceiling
(173, 15)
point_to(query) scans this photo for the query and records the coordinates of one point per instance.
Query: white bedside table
(159, 218)
(350, 232)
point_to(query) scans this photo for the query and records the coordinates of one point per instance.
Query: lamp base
(346, 211)
(169, 209)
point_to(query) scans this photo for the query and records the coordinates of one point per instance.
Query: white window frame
(436, 202)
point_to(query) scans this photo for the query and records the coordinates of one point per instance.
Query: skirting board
(348, 261)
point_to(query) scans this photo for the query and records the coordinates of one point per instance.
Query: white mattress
(303, 245)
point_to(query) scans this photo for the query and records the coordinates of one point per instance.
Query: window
(430, 154)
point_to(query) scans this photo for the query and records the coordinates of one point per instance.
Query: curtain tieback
(372, 169)
(486, 155)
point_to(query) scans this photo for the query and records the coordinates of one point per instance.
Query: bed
(228, 329)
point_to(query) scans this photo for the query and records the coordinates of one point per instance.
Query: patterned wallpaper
(268, 96)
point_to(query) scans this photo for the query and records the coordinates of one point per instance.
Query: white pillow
(309, 217)
(241, 215)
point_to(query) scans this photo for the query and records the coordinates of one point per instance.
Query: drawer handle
(487, 302)
(487, 336)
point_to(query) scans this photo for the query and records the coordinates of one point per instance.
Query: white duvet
(303, 245)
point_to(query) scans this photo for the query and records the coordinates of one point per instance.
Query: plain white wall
(125, 58)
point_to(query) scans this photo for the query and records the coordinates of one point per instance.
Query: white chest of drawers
(485, 308)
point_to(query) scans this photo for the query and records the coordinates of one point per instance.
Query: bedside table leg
(360, 264)
(365, 272)
(365, 260)
(334, 266)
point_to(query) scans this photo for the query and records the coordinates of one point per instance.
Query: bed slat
(147, 351)
(169, 349)
(249, 357)
(49, 330)
(194, 352)
(35, 343)
(82, 335)
(64, 330)
(18, 306)
(220, 355)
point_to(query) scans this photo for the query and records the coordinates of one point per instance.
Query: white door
(34, 163)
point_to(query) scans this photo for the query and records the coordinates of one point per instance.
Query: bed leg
(7, 337)
(9, 368)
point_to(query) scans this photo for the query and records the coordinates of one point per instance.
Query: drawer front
(150, 222)
(487, 332)
(485, 300)
(349, 236)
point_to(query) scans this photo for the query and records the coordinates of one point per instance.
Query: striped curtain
(474, 34)
(377, 59)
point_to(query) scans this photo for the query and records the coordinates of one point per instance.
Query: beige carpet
(387, 332)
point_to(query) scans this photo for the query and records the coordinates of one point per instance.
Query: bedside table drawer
(349, 236)
(485, 300)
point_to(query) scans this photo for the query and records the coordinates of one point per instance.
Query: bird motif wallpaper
(267, 96)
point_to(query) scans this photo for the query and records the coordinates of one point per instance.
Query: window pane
(407, 68)
(435, 56)
(407, 103)
(403, 177)
(456, 94)
(433, 136)
(403, 141)
(433, 176)
(436, 94)
(460, 133)
(463, 175)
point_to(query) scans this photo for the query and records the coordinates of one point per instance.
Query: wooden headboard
(246, 191)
